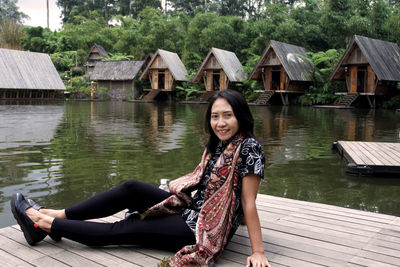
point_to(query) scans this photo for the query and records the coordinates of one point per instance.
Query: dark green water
(65, 152)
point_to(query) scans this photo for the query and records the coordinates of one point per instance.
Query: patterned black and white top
(253, 162)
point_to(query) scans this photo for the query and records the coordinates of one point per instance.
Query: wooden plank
(384, 155)
(366, 151)
(345, 214)
(360, 261)
(7, 259)
(297, 253)
(267, 233)
(349, 154)
(379, 257)
(358, 151)
(301, 204)
(273, 256)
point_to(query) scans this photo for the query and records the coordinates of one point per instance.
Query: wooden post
(353, 79)
(210, 80)
(155, 79)
(166, 80)
(268, 79)
(371, 80)
(222, 80)
(282, 78)
(92, 89)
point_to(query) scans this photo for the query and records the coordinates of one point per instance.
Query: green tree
(334, 20)
(9, 11)
(187, 6)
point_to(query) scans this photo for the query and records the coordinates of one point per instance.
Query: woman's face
(223, 120)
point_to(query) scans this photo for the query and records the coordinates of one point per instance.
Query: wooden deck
(295, 233)
(370, 158)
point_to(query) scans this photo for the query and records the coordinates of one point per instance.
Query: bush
(79, 84)
(392, 103)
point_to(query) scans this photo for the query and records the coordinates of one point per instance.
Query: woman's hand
(257, 259)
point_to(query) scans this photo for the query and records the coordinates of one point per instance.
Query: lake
(61, 153)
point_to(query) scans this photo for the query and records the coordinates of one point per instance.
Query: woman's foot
(32, 232)
(46, 212)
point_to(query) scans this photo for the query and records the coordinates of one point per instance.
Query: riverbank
(295, 233)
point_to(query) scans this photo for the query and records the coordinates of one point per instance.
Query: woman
(226, 183)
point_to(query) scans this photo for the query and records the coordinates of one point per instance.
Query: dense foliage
(190, 28)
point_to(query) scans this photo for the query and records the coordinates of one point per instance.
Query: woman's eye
(214, 117)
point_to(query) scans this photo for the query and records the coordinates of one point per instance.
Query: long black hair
(240, 109)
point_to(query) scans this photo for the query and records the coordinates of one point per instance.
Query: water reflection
(63, 153)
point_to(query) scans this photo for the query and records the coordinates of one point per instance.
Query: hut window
(214, 61)
(159, 63)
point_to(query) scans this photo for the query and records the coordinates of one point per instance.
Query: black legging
(167, 232)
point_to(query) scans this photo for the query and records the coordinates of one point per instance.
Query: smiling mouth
(223, 131)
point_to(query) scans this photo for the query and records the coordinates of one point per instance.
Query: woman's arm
(250, 186)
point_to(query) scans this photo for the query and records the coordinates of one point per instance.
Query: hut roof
(297, 68)
(116, 70)
(229, 62)
(384, 57)
(173, 62)
(101, 50)
(28, 70)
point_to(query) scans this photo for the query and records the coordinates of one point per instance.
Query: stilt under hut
(282, 71)
(220, 70)
(28, 75)
(164, 71)
(118, 77)
(370, 68)
(96, 54)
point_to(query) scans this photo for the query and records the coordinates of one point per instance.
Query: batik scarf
(215, 217)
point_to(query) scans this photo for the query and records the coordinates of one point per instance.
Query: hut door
(161, 80)
(361, 78)
(353, 79)
(216, 80)
(276, 78)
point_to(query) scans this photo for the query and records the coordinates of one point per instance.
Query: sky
(37, 11)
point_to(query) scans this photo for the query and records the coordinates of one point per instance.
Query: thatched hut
(96, 54)
(220, 70)
(26, 74)
(118, 77)
(282, 70)
(369, 67)
(164, 70)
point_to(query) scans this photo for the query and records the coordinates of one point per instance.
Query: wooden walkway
(295, 233)
(370, 158)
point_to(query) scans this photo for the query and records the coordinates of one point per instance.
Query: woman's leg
(166, 232)
(133, 195)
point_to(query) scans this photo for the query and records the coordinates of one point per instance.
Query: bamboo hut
(96, 54)
(370, 68)
(164, 70)
(118, 77)
(283, 71)
(220, 70)
(29, 75)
